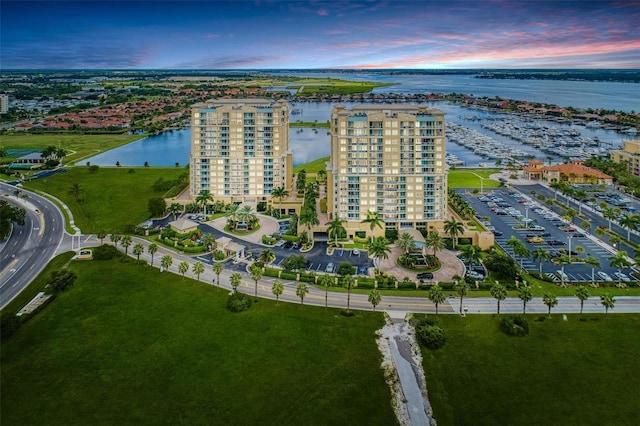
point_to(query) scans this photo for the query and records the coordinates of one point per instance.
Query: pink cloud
(336, 32)
(323, 12)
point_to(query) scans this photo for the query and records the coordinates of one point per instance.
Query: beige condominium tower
(388, 159)
(240, 149)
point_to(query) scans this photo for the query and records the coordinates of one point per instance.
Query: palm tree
(280, 193)
(309, 217)
(348, 281)
(138, 249)
(406, 242)
(462, 287)
(246, 215)
(256, 273)
(540, 255)
(232, 215)
(152, 249)
(453, 228)
(619, 261)
(126, 242)
(197, 269)
(471, 254)
(569, 214)
(630, 222)
(434, 241)
(610, 213)
(76, 191)
(379, 248)
(235, 279)
(524, 293)
(60, 154)
(183, 267)
(437, 296)
(550, 300)
(608, 302)
(302, 291)
(582, 293)
(208, 240)
(562, 260)
(277, 289)
(217, 269)
(594, 263)
(174, 209)
(374, 298)
(101, 235)
(115, 238)
(203, 198)
(580, 195)
(326, 281)
(373, 220)
(499, 292)
(267, 256)
(166, 261)
(521, 251)
(335, 228)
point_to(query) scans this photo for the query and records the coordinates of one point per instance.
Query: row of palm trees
(499, 292)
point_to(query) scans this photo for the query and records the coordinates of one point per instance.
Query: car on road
(535, 239)
(604, 276)
(474, 275)
(425, 276)
(329, 268)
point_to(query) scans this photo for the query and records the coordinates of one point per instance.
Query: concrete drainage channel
(402, 363)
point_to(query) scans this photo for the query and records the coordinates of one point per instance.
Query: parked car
(355, 252)
(497, 233)
(329, 268)
(425, 276)
(562, 275)
(535, 239)
(622, 277)
(604, 276)
(556, 243)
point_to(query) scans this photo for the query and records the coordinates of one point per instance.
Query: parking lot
(511, 213)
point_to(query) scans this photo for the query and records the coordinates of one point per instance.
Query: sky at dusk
(319, 34)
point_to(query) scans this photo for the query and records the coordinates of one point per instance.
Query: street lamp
(526, 214)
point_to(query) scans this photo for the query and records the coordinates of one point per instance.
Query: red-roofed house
(575, 172)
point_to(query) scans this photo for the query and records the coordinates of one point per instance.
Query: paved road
(31, 246)
(51, 239)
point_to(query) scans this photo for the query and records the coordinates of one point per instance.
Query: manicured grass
(563, 373)
(113, 197)
(130, 345)
(77, 146)
(38, 284)
(313, 166)
(468, 178)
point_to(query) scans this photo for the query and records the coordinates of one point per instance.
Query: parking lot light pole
(526, 216)
(569, 237)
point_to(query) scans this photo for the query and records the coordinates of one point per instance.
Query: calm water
(306, 144)
(579, 94)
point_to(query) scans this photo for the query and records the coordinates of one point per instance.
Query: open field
(113, 197)
(564, 372)
(468, 178)
(294, 124)
(77, 146)
(130, 345)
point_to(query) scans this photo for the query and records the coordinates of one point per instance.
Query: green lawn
(313, 166)
(77, 146)
(130, 345)
(564, 373)
(114, 197)
(468, 178)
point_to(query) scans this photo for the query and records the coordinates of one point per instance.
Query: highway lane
(30, 247)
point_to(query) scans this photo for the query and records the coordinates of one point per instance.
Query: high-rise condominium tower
(388, 159)
(240, 148)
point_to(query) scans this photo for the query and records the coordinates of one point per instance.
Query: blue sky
(319, 34)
